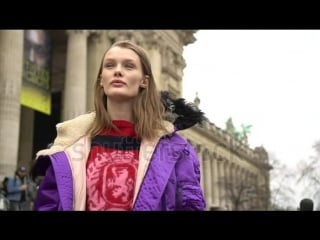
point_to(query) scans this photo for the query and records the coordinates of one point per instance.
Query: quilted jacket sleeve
(189, 193)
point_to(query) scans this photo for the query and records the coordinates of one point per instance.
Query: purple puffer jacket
(171, 183)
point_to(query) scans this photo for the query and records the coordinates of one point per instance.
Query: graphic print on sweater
(111, 170)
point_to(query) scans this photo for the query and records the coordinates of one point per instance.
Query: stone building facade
(227, 165)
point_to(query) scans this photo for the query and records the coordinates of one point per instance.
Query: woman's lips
(117, 83)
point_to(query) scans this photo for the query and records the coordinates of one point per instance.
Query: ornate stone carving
(171, 63)
(198, 148)
(153, 40)
(118, 35)
(95, 35)
(206, 154)
(262, 153)
(80, 32)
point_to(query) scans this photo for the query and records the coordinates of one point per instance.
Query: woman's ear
(144, 82)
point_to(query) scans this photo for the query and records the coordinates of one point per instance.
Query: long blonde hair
(148, 110)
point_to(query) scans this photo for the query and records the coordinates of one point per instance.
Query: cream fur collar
(70, 131)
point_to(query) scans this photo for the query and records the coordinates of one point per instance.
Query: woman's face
(122, 74)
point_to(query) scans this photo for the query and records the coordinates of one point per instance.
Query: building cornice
(225, 140)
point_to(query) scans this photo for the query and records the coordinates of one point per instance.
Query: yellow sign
(36, 98)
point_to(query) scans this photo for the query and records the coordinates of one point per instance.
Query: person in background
(306, 204)
(124, 156)
(20, 190)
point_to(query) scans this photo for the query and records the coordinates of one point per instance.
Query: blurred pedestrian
(20, 190)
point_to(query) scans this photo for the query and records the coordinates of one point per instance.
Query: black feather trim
(183, 114)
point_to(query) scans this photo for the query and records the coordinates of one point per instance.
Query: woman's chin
(119, 94)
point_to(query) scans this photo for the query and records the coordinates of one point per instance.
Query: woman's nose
(118, 70)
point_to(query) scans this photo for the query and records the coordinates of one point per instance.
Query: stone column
(97, 45)
(26, 156)
(231, 173)
(252, 203)
(198, 150)
(11, 64)
(232, 181)
(222, 184)
(242, 173)
(215, 179)
(75, 89)
(153, 49)
(257, 186)
(207, 179)
(228, 185)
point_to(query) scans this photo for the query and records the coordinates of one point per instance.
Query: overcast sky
(267, 78)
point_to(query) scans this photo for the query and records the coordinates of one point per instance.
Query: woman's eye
(129, 66)
(108, 65)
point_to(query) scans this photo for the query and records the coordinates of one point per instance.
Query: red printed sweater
(112, 169)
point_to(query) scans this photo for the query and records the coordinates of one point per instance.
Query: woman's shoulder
(68, 133)
(176, 138)
(81, 120)
(177, 145)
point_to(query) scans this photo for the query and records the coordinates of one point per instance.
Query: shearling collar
(70, 131)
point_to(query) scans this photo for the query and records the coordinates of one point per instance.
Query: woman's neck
(120, 111)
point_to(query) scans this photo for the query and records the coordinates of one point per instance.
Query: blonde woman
(124, 156)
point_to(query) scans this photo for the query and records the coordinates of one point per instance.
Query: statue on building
(244, 133)
(229, 126)
(238, 135)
